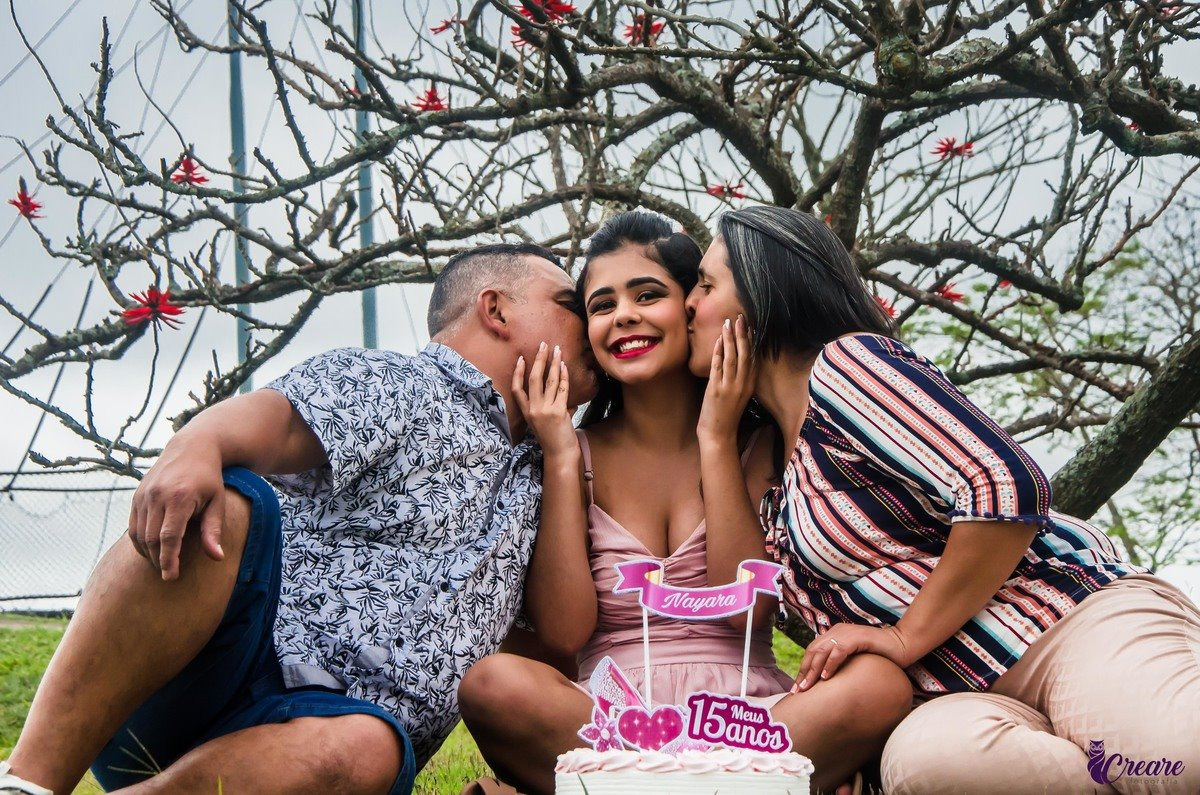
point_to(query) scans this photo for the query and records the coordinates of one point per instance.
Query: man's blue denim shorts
(235, 682)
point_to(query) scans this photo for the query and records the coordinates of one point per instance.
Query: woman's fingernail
(824, 674)
(541, 346)
(726, 322)
(795, 689)
(520, 360)
(557, 351)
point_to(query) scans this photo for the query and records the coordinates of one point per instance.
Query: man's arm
(260, 431)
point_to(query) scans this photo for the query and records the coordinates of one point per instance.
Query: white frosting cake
(720, 771)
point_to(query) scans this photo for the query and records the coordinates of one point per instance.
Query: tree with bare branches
(1016, 179)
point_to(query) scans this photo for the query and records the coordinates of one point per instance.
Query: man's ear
(492, 307)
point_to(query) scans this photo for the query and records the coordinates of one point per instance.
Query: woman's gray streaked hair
(796, 281)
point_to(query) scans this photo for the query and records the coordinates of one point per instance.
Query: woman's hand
(730, 383)
(826, 654)
(544, 405)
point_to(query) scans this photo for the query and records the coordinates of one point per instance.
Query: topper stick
(746, 650)
(654, 577)
(646, 653)
(742, 577)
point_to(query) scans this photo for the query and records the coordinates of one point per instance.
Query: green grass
(27, 643)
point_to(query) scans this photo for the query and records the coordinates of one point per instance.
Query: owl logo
(1096, 759)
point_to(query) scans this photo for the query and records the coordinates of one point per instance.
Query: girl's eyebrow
(640, 280)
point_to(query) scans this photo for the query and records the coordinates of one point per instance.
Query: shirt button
(445, 587)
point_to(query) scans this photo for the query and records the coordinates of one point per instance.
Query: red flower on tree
(188, 173)
(554, 10)
(153, 306)
(446, 24)
(950, 147)
(1004, 284)
(886, 305)
(642, 33)
(728, 190)
(430, 101)
(26, 205)
(948, 292)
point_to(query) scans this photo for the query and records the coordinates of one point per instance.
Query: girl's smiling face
(712, 301)
(636, 316)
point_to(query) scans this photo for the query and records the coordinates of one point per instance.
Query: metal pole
(237, 159)
(366, 232)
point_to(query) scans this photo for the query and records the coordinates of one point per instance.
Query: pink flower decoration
(601, 732)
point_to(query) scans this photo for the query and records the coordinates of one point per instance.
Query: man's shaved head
(498, 265)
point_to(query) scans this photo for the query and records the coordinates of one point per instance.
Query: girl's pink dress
(684, 656)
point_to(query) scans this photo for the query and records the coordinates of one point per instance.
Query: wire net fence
(54, 526)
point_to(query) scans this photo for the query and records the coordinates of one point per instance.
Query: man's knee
(237, 512)
(235, 525)
(351, 753)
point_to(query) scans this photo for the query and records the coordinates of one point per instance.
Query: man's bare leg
(345, 754)
(131, 633)
(522, 714)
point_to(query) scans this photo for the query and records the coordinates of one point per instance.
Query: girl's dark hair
(677, 253)
(796, 281)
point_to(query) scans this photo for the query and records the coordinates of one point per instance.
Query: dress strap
(587, 463)
(753, 440)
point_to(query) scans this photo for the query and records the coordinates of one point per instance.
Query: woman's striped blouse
(890, 455)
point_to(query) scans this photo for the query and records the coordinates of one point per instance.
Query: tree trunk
(1107, 462)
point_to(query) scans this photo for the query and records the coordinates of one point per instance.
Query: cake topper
(622, 717)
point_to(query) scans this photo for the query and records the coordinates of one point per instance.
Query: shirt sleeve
(353, 400)
(900, 411)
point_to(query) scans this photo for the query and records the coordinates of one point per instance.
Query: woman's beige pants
(1114, 684)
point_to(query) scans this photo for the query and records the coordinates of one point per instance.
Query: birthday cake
(715, 743)
(718, 770)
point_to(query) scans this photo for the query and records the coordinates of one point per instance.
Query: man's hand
(184, 483)
(260, 431)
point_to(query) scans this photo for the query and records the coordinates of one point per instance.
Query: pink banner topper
(697, 604)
